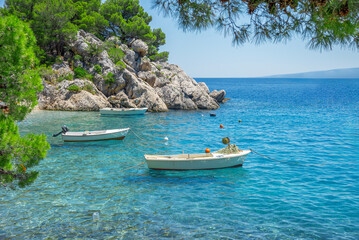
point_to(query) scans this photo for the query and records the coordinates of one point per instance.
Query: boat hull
(179, 162)
(91, 136)
(123, 111)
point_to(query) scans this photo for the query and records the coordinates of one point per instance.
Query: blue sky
(210, 54)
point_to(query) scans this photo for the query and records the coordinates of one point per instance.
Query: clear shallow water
(311, 122)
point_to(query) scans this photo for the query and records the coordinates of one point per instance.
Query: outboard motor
(64, 130)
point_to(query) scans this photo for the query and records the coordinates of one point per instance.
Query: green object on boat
(225, 140)
(231, 148)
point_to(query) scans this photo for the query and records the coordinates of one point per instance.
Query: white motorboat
(200, 161)
(89, 136)
(122, 111)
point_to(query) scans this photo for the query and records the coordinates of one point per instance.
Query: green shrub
(69, 77)
(110, 78)
(160, 57)
(46, 73)
(58, 59)
(77, 57)
(95, 49)
(80, 72)
(74, 88)
(116, 54)
(108, 45)
(89, 88)
(98, 68)
(121, 65)
(159, 67)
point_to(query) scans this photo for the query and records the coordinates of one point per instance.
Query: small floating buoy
(239, 120)
(212, 114)
(221, 126)
(207, 150)
(96, 216)
(166, 138)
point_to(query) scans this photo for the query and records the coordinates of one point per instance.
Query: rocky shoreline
(134, 82)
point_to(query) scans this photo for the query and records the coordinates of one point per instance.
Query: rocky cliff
(134, 81)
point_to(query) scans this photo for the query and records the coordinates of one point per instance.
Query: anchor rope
(136, 134)
(132, 167)
(274, 158)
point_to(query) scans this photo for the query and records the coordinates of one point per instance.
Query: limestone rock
(139, 47)
(174, 85)
(109, 87)
(130, 57)
(121, 100)
(115, 40)
(175, 98)
(218, 95)
(61, 69)
(145, 65)
(59, 97)
(142, 94)
(140, 83)
(150, 78)
(204, 87)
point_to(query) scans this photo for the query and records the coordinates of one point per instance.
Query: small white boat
(89, 136)
(200, 161)
(122, 111)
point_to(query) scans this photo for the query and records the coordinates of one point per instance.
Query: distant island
(334, 73)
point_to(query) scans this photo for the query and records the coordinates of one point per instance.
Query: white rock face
(159, 86)
(142, 94)
(140, 47)
(179, 91)
(59, 97)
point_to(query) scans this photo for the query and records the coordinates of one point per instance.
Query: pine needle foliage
(19, 84)
(323, 23)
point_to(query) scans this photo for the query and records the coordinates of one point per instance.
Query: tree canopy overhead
(323, 23)
(56, 21)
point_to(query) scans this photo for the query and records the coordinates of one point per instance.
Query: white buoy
(166, 138)
(96, 216)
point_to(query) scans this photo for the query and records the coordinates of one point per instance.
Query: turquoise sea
(310, 125)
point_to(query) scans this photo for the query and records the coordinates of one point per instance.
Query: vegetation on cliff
(55, 22)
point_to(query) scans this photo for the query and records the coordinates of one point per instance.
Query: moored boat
(89, 136)
(122, 111)
(200, 161)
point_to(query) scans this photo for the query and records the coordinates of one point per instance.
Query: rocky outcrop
(142, 94)
(131, 81)
(61, 96)
(218, 95)
(179, 91)
(139, 47)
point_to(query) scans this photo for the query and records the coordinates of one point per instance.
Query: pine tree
(19, 84)
(323, 23)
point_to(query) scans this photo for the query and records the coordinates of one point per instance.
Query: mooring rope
(132, 167)
(273, 158)
(136, 134)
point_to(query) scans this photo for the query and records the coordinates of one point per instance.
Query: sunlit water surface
(311, 126)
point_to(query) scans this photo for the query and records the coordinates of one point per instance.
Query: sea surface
(309, 189)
